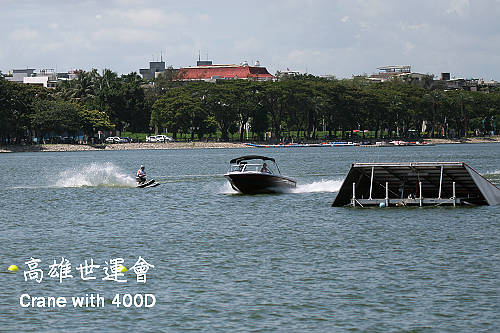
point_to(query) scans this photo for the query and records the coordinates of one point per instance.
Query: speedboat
(252, 175)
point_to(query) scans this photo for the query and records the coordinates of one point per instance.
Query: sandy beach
(186, 145)
(119, 146)
(486, 139)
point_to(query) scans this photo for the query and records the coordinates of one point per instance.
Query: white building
(46, 77)
(18, 75)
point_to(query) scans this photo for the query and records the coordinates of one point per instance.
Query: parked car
(159, 138)
(112, 139)
(127, 139)
(163, 138)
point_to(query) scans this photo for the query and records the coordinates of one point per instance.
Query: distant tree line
(300, 107)
(297, 108)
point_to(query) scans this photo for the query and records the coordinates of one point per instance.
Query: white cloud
(24, 34)
(306, 59)
(123, 35)
(345, 19)
(51, 47)
(458, 7)
(128, 2)
(247, 45)
(366, 26)
(414, 27)
(153, 18)
(205, 18)
(408, 47)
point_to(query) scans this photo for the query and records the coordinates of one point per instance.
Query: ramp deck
(415, 183)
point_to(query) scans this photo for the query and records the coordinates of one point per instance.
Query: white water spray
(226, 188)
(321, 186)
(493, 177)
(95, 174)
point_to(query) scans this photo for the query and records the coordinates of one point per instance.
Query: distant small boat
(251, 175)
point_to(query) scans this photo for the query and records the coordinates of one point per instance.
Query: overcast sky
(337, 37)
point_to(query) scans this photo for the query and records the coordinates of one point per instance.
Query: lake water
(229, 262)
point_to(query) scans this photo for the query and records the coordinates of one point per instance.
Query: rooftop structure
(281, 75)
(45, 77)
(17, 75)
(206, 71)
(395, 69)
(390, 72)
(402, 73)
(452, 83)
(155, 68)
(491, 83)
(204, 63)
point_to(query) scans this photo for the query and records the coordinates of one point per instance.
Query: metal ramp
(415, 184)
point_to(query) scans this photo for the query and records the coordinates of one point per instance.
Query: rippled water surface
(229, 262)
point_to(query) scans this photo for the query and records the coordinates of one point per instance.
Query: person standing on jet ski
(141, 175)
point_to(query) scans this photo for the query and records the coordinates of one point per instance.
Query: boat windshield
(251, 167)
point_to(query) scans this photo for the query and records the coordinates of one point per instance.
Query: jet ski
(149, 183)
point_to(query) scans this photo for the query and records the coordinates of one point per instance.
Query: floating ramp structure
(415, 184)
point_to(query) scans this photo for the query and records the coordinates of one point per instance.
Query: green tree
(176, 110)
(55, 115)
(93, 120)
(221, 104)
(16, 107)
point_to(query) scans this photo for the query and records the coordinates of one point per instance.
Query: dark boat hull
(258, 183)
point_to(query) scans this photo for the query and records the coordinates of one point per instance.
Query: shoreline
(60, 147)
(185, 145)
(472, 140)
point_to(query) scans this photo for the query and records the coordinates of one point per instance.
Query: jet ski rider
(141, 175)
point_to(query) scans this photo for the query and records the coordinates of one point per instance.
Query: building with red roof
(205, 71)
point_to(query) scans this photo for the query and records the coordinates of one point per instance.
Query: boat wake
(93, 175)
(321, 186)
(493, 177)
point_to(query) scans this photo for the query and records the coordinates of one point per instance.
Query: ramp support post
(420, 192)
(454, 200)
(353, 201)
(371, 182)
(387, 194)
(440, 182)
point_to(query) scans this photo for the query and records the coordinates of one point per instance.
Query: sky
(320, 37)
